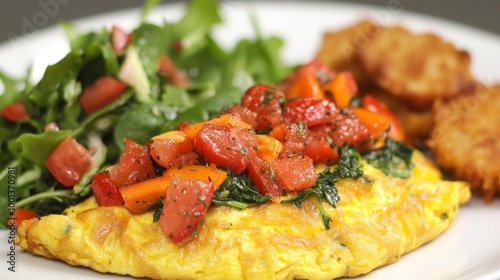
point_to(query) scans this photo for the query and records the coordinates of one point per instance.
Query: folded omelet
(377, 220)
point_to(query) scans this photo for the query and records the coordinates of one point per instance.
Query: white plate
(468, 250)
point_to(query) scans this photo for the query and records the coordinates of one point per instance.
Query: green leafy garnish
(237, 191)
(394, 159)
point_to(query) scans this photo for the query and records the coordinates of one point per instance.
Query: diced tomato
(293, 137)
(69, 161)
(120, 39)
(310, 111)
(21, 215)
(396, 131)
(165, 148)
(102, 92)
(295, 173)
(262, 177)
(15, 112)
(346, 129)
(229, 120)
(228, 147)
(105, 191)
(185, 206)
(186, 159)
(167, 67)
(265, 100)
(134, 166)
(342, 89)
(244, 114)
(319, 149)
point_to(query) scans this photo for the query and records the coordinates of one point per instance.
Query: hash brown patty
(465, 139)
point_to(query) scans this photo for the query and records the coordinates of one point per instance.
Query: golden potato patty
(339, 49)
(377, 220)
(465, 139)
(417, 67)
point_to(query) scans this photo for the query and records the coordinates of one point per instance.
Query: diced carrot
(140, 197)
(305, 85)
(225, 120)
(268, 148)
(203, 173)
(342, 88)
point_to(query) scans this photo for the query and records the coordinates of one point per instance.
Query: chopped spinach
(237, 191)
(394, 159)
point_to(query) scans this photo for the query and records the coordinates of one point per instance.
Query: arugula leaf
(10, 93)
(237, 191)
(394, 159)
(147, 7)
(46, 92)
(37, 147)
(198, 20)
(141, 122)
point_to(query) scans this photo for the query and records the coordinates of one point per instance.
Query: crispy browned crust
(417, 67)
(339, 49)
(465, 139)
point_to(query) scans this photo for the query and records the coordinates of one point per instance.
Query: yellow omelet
(377, 220)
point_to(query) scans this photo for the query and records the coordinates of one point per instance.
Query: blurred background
(19, 14)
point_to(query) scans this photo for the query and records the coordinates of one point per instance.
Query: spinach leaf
(142, 121)
(394, 159)
(237, 191)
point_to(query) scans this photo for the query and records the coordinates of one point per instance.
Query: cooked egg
(377, 220)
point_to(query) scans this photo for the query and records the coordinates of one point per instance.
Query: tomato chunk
(15, 112)
(105, 191)
(295, 173)
(167, 67)
(265, 100)
(134, 166)
(320, 149)
(310, 111)
(293, 138)
(244, 114)
(186, 203)
(167, 147)
(347, 129)
(102, 92)
(228, 147)
(21, 215)
(262, 177)
(120, 39)
(69, 161)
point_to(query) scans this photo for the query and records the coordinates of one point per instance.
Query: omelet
(377, 220)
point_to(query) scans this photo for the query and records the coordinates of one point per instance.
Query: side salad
(116, 84)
